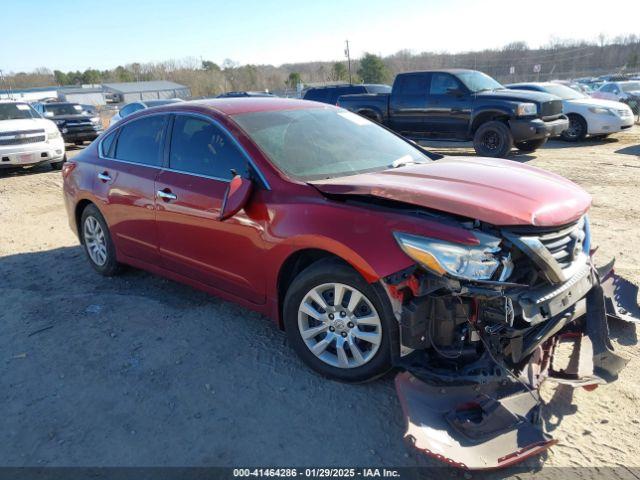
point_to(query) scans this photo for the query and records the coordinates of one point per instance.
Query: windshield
(564, 92)
(478, 81)
(319, 143)
(17, 111)
(630, 86)
(63, 109)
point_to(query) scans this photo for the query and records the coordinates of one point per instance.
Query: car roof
(237, 106)
(441, 70)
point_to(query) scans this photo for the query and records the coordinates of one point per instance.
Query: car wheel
(58, 165)
(493, 139)
(530, 145)
(341, 326)
(577, 129)
(97, 242)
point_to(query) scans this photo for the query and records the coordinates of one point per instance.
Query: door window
(200, 147)
(413, 86)
(140, 141)
(441, 83)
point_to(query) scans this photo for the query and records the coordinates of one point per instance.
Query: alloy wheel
(339, 325)
(94, 241)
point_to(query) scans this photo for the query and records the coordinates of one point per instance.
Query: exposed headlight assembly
(526, 109)
(465, 262)
(53, 135)
(602, 111)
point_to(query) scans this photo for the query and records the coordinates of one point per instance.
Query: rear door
(408, 103)
(189, 196)
(126, 171)
(448, 107)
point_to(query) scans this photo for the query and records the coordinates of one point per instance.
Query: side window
(107, 145)
(607, 88)
(317, 95)
(441, 83)
(200, 147)
(415, 86)
(140, 141)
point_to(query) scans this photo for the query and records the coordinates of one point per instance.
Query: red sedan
(369, 251)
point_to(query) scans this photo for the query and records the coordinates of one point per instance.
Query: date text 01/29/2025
(316, 472)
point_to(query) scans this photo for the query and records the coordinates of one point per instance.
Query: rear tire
(341, 326)
(577, 130)
(97, 243)
(493, 139)
(530, 145)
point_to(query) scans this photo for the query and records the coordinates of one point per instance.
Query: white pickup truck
(27, 139)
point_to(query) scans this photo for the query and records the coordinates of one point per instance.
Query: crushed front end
(481, 327)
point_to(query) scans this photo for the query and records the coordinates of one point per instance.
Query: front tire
(493, 139)
(97, 243)
(340, 326)
(577, 130)
(58, 165)
(530, 145)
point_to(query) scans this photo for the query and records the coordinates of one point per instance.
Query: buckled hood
(499, 192)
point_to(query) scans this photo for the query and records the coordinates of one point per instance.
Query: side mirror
(236, 196)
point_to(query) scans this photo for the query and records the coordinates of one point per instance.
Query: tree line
(513, 62)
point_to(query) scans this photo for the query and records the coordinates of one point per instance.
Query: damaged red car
(465, 274)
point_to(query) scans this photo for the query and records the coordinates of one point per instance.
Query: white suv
(27, 139)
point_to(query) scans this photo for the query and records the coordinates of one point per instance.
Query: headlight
(53, 135)
(466, 262)
(525, 109)
(59, 122)
(95, 119)
(601, 111)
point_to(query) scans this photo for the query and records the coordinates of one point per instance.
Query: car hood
(595, 102)
(516, 95)
(499, 192)
(26, 124)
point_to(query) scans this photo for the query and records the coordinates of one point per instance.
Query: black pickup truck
(75, 124)
(463, 105)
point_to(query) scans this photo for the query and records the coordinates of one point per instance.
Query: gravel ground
(138, 370)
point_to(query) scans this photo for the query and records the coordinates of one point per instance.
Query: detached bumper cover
(495, 425)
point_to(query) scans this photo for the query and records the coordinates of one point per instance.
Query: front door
(448, 109)
(126, 171)
(189, 195)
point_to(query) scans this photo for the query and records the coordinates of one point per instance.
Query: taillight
(67, 168)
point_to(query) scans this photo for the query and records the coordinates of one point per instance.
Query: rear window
(140, 141)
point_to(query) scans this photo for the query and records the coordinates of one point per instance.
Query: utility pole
(346, 52)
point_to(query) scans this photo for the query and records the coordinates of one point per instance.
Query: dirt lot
(138, 370)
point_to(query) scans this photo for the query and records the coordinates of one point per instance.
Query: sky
(75, 34)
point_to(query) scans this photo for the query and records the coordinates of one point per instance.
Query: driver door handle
(166, 195)
(104, 176)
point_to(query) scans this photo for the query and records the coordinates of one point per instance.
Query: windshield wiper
(403, 162)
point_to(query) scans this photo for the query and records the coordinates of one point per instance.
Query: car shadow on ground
(633, 150)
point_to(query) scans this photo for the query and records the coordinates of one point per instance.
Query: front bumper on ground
(495, 424)
(32, 154)
(536, 128)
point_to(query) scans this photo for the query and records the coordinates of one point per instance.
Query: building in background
(35, 94)
(84, 95)
(134, 91)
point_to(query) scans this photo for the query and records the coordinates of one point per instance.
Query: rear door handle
(166, 195)
(104, 176)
